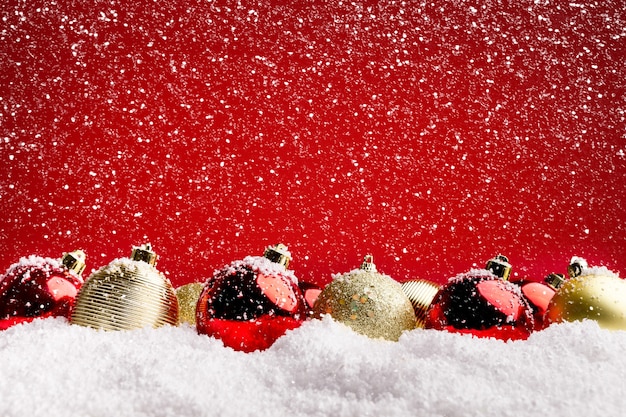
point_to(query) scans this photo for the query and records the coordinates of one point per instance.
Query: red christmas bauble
(538, 294)
(310, 292)
(250, 303)
(481, 304)
(37, 287)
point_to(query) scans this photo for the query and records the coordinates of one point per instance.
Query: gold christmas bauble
(421, 294)
(370, 303)
(188, 296)
(599, 296)
(128, 293)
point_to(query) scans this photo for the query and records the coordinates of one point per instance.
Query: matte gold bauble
(127, 294)
(370, 303)
(188, 296)
(598, 296)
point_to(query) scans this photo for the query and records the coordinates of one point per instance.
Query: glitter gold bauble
(188, 296)
(371, 303)
(129, 293)
(421, 294)
(597, 295)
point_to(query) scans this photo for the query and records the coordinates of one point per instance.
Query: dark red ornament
(482, 304)
(250, 303)
(37, 287)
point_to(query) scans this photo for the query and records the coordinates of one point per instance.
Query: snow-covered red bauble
(482, 304)
(252, 302)
(371, 303)
(40, 287)
(128, 293)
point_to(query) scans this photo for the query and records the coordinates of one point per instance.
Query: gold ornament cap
(576, 266)
(368, 264)
(144, 253)
(500, 266)
(278, 254)
(421, 294)
(74, 261)
(555, 280)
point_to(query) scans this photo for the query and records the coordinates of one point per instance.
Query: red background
(431, 134)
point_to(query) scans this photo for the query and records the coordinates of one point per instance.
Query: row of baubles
(252, 302)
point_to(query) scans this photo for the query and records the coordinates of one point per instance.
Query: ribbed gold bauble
(421, 294)
(188, 296)
(370, 303)
(596, 296)
(129, 293)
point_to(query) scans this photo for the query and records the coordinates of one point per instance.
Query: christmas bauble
(188, 296)
(482, 304)
(128, 293)
(40, 287)
(538, 294)
(597, 294)
(421, 294)
(369, 302)
(310, 292)
(252, 302)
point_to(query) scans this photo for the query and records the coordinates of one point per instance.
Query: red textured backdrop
(431, 134)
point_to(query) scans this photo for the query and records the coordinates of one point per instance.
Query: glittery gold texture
(188, 296)
(370, 303)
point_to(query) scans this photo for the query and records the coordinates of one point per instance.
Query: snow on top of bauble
(355, 272)
(261, 265)
(599, 271)
(473, 273)
(119, 265)
(25, 263)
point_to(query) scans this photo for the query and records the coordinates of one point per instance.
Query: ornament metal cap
(500, 266)
(576, 266)
(144, 253)
(74, 261)
(278, 254)
(555, 280)
(368, 264)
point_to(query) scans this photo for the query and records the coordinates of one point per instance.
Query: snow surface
(50, 368)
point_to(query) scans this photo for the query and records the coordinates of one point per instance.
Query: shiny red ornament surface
(310, 292)
(36, 287)
(538, 295)
(250, 304)
(481, 304)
